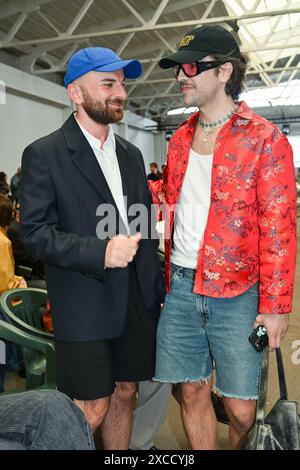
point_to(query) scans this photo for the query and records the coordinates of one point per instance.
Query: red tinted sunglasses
(193, 69)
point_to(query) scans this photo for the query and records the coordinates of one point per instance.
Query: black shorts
(89, 370)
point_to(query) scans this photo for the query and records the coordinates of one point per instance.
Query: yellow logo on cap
(186, 40)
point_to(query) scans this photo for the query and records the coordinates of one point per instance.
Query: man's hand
(121, 250)
(23, 284)
(276, 326)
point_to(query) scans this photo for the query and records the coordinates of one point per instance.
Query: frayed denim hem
(186, 380)
(239, 397)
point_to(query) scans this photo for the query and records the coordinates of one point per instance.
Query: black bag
(280, 429)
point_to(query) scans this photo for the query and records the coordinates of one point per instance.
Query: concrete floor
(172, 435)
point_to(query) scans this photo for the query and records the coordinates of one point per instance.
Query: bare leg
(198, 415)
(241, 415)
(116, 427)
(94, 410)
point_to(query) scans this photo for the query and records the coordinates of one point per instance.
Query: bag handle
(281, 376)
(263, 385)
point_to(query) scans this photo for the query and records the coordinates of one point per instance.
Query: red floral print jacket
(250, 233)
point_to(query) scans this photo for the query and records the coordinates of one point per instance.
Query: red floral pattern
(250, 234)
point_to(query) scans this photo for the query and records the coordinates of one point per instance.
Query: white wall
(30, 108)
(22, 121)
(295, 143)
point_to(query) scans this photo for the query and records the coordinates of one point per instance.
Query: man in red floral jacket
(230, 207)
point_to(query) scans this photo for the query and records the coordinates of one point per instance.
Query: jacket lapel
(84, 158)
(125, 166)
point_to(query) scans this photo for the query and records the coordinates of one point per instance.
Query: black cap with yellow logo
(201, 42)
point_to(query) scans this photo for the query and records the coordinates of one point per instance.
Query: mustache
(115, 101)
(184, 83)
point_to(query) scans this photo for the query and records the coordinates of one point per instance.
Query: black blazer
(62, 187)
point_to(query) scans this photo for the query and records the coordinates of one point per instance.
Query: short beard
(100, 113)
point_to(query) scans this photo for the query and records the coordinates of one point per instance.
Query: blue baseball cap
(99, 59)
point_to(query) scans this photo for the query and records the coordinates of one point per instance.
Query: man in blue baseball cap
(98, 72)
(104, 303)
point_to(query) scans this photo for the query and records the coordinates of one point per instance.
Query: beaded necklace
(209, 127)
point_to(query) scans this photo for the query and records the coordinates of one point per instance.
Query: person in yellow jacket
(8, 279)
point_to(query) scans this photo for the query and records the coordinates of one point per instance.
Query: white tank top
(192, 210)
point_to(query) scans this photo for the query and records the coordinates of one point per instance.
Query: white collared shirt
(108, 161)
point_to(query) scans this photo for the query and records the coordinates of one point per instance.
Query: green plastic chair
(46, 348)
(24, 308)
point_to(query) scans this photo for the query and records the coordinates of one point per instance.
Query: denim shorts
(197, 333)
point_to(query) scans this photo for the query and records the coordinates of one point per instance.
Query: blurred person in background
(4, 186)
(8, 279)
(154, 174)
(15, 186)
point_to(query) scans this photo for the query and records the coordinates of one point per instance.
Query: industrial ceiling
(43, 34)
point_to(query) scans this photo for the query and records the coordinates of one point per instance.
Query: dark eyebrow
(110, 80)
